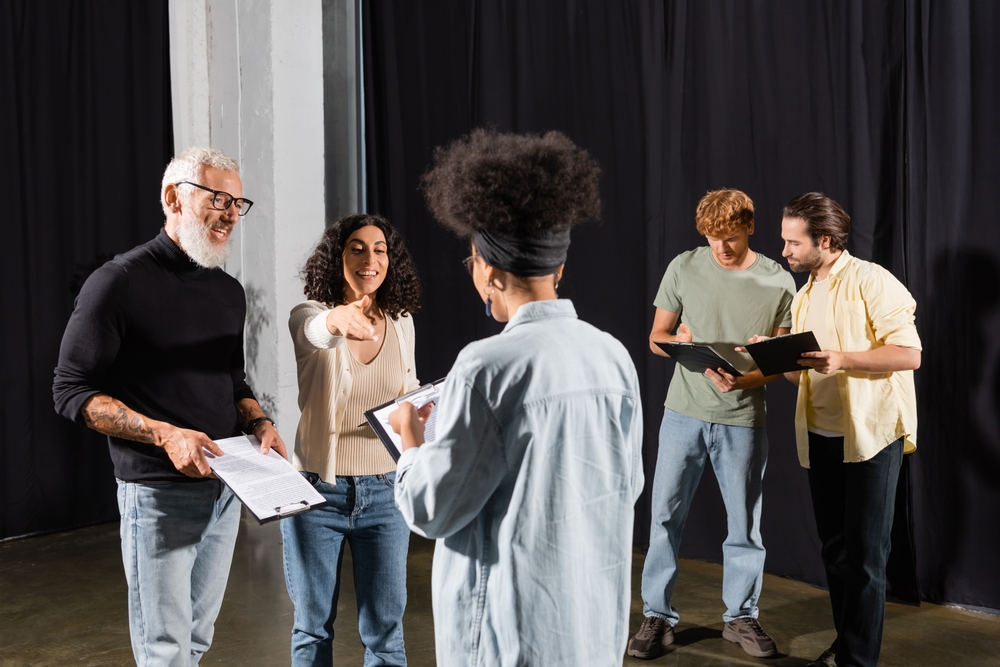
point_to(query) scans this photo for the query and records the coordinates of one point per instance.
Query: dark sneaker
(828, 659)
(747, 633)
(653, 636)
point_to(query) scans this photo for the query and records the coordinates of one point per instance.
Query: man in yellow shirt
(855, 416)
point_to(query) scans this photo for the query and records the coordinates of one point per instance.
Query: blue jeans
(738, 455)
(853, 504)
(177, 545)
(360, 511)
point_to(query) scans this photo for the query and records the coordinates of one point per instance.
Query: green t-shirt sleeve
(668, 296)
(784, 318)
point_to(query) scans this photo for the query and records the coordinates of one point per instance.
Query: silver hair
(187, 166)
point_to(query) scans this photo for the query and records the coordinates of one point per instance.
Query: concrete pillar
(189, 73)
(262, 104)
(343, 108)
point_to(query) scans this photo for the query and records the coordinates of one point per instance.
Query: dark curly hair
(512, 183)
(323, 273)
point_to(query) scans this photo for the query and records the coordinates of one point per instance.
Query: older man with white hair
(152, 357)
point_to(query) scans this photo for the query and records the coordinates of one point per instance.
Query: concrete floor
(63, 602)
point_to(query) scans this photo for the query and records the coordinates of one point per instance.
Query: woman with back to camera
(530, 482)
(354, 350)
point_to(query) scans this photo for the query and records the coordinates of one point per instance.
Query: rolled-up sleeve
(892, 311)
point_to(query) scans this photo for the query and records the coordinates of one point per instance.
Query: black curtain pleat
(951, 244)
(889, 107)
(85, 132)
(777, 99)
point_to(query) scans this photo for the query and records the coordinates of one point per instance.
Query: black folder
(781, 353)
(698, 357)
(378, 417)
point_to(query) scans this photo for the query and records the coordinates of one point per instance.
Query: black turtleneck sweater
(165, 337)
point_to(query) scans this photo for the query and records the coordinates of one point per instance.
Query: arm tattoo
(112, 417)
(249, 410)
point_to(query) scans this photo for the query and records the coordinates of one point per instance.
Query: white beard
(193, 236)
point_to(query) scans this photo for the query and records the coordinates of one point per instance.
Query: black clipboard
(781, 353)
(698, 357)
(378, 417)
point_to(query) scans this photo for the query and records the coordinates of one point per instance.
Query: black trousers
(853, 504)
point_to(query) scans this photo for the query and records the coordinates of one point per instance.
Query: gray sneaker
(654, 635)
(828, 659)
(747, 633)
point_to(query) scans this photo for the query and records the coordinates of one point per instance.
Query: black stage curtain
(85, 132)
(888, 106)
(950, 246)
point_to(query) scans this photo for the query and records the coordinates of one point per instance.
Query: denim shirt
(529, 489)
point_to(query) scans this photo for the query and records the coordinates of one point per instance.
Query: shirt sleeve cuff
(406, 460)
(317, 334)
(904, 337)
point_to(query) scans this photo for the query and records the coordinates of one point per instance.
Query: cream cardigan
(325, 384)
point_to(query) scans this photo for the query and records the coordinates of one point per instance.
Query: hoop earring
(489, 301)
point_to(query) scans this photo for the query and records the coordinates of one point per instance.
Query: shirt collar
(838, 266)
(541, 310)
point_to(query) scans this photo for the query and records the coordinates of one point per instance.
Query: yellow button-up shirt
(868, 308)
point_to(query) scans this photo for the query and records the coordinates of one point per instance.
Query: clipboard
(698, 357)
(268, 486)
(781, 353)
(378, 417)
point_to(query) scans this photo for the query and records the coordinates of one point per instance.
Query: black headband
(524, 256)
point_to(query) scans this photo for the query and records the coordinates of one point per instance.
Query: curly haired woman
(536, 464)
(354, 350)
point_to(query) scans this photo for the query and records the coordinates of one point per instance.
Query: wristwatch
(252, 426)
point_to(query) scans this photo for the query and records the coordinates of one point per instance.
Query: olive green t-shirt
(723, 309)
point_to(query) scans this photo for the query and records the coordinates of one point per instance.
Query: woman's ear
(500, 281)
(494, 277)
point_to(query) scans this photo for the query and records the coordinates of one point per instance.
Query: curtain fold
(951, 245)
(889, 107)
(85, 132)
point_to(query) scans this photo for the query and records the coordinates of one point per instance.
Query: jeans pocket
(389, 478)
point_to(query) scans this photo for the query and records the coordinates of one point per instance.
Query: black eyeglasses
(222, 200)
(468, 262)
